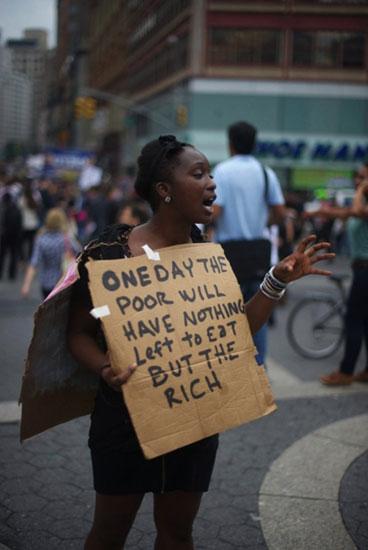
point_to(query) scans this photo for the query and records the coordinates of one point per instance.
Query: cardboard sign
(55, 388)
(181, 319)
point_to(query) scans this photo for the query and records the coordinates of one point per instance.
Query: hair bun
(168, 140)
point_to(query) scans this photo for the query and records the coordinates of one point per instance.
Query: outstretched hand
(301, 262)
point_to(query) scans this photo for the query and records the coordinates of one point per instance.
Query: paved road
(295, 479)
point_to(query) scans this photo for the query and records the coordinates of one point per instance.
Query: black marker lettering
(158, 376)
(110, 281)
(169, 394)
(218, 293)
(214, 265)
(223, 263)
(129, 332)
(215, 383)
(196, 395)
(144, 277)
(186, 297)
(230, 349)
(189, 318)
(189, 266)
(176, 271)
(161, 273)
(129, 278)
(123, 302)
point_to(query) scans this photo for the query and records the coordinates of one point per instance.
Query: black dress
(119, 466)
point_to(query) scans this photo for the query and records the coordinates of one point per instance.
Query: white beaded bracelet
(271, 287)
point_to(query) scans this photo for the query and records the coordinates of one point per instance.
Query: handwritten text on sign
(182, 321)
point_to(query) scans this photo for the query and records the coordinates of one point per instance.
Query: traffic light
(182, 115)
(85, 107)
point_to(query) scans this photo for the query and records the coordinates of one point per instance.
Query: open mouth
(209, 202)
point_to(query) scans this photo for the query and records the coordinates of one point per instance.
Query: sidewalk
(296, 479)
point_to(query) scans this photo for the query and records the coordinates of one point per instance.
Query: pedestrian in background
(30, 205)
(133, 212)
(53, 249)
(10, 235)
(356, 316)
(249, 197)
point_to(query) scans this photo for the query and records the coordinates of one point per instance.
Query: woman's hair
(56, 220)
(156, 162)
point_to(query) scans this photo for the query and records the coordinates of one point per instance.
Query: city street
(297, 479)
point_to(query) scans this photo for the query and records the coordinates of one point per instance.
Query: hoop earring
(167, 199)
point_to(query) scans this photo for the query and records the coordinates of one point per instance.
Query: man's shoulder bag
(250, 258)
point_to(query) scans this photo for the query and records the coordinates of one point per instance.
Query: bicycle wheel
(315, 327)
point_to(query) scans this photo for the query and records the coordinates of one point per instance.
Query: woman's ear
(163, 190)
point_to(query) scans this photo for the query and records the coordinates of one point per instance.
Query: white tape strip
(98, 312)
(151, 254)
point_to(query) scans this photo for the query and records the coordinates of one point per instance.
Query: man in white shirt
(248, 196)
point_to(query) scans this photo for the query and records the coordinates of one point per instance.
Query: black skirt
(119, 466)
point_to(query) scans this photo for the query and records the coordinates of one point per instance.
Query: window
(244, 47)
(169, 60)
(328, 49)
(145, 26)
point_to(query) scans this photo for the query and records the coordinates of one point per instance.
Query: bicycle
(315, 326)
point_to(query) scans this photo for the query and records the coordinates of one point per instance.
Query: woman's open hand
(301, 262)
(115, 381)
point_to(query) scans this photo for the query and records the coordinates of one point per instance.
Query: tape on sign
(99, 312)
(151, 254)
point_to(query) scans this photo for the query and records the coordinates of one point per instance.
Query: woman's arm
(331, 212)
(32, 268)
(360, 206)
(299, 264)
(28, 278)
(81, 337)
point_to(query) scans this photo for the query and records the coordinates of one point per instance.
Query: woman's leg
(174, 514)
(114, 516)
(354, 323)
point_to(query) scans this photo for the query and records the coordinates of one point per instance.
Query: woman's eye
(198, 175)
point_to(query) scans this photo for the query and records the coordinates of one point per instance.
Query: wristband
(271, 287)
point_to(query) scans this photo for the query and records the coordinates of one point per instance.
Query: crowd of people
(44, 221)
(25, 203)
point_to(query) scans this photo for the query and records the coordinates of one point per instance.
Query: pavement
(297, 479)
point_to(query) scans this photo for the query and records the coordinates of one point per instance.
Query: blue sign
(66, 159)
(325, 151)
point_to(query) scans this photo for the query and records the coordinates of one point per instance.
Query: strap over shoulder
(108, 245)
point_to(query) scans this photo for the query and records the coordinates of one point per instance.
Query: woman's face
(192, 188)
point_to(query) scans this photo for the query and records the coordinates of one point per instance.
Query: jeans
(249, 289)
(356, 321)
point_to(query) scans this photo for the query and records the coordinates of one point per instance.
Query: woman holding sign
(175, 179)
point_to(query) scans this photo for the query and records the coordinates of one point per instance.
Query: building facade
(297, 70)
(68, 76)
(15, 105)
(29, 57)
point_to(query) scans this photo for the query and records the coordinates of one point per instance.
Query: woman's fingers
(115, 381)
(315, 271)
(316, 247)
(304, 243)
(320, 257)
